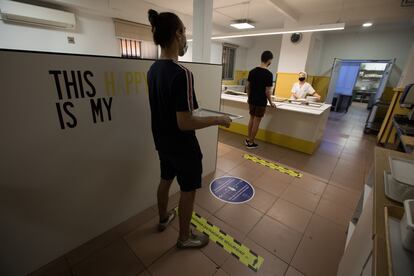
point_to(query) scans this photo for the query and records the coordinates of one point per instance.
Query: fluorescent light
(317, 28)
(242, 26)
(368, 24)
(307, 29)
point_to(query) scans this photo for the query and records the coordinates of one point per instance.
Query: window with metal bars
(130, 48)
(229, 56)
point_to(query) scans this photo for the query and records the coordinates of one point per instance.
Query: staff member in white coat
(302, 89)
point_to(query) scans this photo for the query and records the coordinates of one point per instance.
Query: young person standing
(172, 100)
(259, 91)
(302, 89)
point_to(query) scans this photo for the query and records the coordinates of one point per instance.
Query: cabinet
(365, 253)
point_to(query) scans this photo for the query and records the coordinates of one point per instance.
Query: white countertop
(283, 105)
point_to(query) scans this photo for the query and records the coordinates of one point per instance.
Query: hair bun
(152, 17)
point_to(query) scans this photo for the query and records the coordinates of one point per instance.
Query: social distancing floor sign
(231, 189)
(227, 242)
(273, 166)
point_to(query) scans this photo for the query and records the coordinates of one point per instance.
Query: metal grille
(229, 55)
(130, 48)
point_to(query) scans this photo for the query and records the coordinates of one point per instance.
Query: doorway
(357, 80)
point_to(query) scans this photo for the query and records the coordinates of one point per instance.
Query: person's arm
(186, 101)
(317, 95)
(293, 91)
(269, 83)
(269, 96)
(313, 93)
(248, 88)
(187, 121)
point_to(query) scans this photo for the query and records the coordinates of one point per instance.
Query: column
(202, 22)
(293, 56)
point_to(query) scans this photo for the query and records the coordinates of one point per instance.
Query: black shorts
(257, 111)
(186, 167)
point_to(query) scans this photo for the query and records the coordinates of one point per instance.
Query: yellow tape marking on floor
(227, 242)
(272, 165)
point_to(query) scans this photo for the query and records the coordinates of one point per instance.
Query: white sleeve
(311, 91)
(294, 88)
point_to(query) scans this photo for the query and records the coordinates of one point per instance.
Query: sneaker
(164, 224)
(246, 142)
(194, 241)
(252, 145)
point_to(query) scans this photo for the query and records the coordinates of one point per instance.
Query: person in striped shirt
(172, 100)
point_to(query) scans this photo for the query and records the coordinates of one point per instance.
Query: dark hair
(164, 26)
(266, 56)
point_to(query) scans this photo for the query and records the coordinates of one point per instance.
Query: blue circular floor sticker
(232, 189)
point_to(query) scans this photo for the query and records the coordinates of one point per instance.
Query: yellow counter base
(277, 138)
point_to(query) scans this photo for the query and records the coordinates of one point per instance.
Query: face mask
(184, 49)
(302, 79)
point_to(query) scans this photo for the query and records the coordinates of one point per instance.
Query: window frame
(130, 48)
(229, 61)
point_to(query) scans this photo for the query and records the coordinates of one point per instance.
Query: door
(343, 77)
(384, 80)
(334, 77)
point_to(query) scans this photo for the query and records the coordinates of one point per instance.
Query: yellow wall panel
(238, 75)
(393, 109)
(284, 83)
(321, 85)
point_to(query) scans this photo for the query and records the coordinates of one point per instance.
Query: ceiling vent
(11, 11)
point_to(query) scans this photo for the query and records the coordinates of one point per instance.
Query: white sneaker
(194, 241)
(163, 225)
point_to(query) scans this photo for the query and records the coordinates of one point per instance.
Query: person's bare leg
(249, 128)
(162, 197)
(255, 128)
(185, 212)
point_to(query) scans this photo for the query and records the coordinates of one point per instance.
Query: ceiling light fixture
(305, 29)
(316, 28)
(367, 24)
(242, 24)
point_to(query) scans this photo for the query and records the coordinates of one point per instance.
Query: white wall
(240, 63)
(61, 187)
(216, 52)
(215, 55)
(261, 44)
(293, 56)
(368, 45)
(407, 76)
(93, 35)
(315, 53)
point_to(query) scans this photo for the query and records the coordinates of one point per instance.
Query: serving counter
(294, 126)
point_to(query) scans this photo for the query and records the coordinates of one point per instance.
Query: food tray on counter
(400, 260)
(402, 170)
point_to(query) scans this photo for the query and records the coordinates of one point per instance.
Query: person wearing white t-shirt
(302, 89)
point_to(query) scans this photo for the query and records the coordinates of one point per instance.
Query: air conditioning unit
(11, 11)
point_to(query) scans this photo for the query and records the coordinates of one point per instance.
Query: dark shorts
(187, 168)
(257, 111)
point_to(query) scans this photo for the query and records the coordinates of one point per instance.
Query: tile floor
(297, 225)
